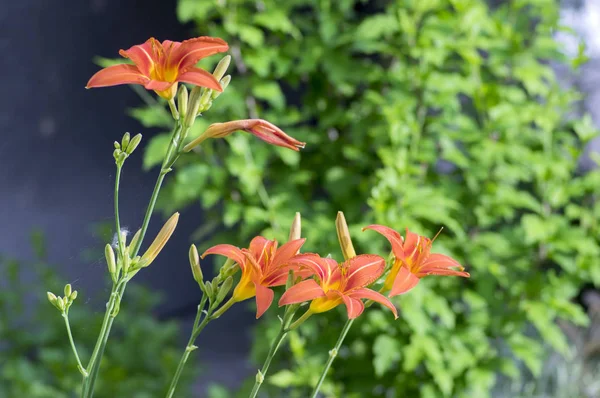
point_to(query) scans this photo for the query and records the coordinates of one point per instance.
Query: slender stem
(288, 317)
(109, 317)
(301, 320)
(260, 376)
(196, 329)
(117, 219)
(164, 170)
(332, 354)
(82, 370)
(224, 308)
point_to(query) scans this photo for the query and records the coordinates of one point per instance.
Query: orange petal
(272, 134)
(228, 251)
(375, 296)
(260, 246)
(312, 262)
(142, 56)
(117, 74)
(363, 270)
(404, 281)
(354, 307)
(264, 298)
(304, 291)
(287, 251)
(191, 51)
(157, 85)
(391, 235)
(200, 77)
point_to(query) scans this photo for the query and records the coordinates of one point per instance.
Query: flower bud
(122, 157)
(110, 259)
(224, 83)
(60, 303)
(73, 295)
(344, 236)
(117, 145)
(135, 239)
(133, 144)
(67, 290)
(296, 229)
(125, 140)
(195, 263)
(225, 288)
(221, 67)
(193, 106)
(126, 262)
(160, 241)
(116, 154)
(51, 298)
(182, 101)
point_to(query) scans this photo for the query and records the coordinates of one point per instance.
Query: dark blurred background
(55, 156)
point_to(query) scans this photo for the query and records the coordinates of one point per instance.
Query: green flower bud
(224, 83)
(195, 264)
(221, 67)
(193, 106)
(51, 298)
(68, 290)
(182, 100)
(225, 288)
(117, 145)
(125, 140)
(110, 259)
(133, 144)
(73, 295)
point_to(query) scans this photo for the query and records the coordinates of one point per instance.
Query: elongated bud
(221, 67)
(160, 241)
(193, 106)
(296, 229)
(182, 101)
(125, 140)
(133, 144)
(73, 295)
(116, 154)
(224, 83)
(195, 263)
(225, 288)
(135, 239)
(126, 262)
(122, 157)
(110, 259)
(60, 303)
(344, 236)
(117, 145)
(290, 280)
(51, 298)
(68, 290)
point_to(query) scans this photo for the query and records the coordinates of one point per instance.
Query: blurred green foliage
(420, 114)
(36, 360)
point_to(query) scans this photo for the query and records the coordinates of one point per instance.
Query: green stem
(190, 345)
(109, 317)
(332, 354)
(283, 331)
(82, 370)
(117, 219)
(164, 170)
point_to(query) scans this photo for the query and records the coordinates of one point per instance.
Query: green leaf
(156, 150)
(386, 352)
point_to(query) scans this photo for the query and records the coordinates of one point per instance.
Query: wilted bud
(193, 106)
(73, 295)
(117, 145)
(221, 67)
(110, 259)
(182, 101)
(296, 229)
(224, 83)
(195, 263)
(133, 144)
(67, 290)
(125, 140)
(225, 288)
(51, 298)
(262, 129)
(160, 241)
(344, 236)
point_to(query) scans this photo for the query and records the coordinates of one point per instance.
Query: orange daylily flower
(159, 66)
(263, 266)
(338, 283)
(414, 260)
(262, 129)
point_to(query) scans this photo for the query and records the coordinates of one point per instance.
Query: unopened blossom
(262, 129)
(263, 266)
(159, 66)
(414, 260)
(336, 284)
